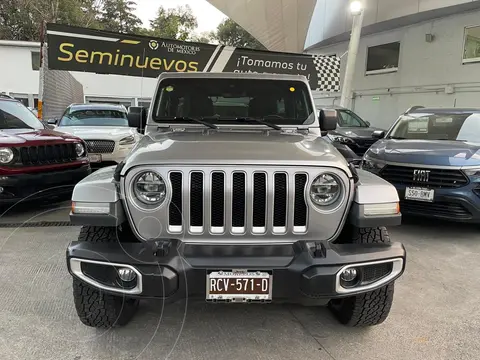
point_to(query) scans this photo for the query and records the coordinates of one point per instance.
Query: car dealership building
(411, 52)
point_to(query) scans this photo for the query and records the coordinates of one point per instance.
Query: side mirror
(328, 121)
(368, 123)
(52, 121)
(379, 134)
(137, 119)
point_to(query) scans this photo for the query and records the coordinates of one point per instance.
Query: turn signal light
(381, 209)
(90, 208)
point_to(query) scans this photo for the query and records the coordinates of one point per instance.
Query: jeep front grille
(100, 146)
(237, 202)
(47, 154)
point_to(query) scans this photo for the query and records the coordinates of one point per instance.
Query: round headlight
(6, 155)
(325, 190)
(79, 149)
(150, 188)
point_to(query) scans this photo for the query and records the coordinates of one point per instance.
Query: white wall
(425, 69)
(17, 77)
(16, 74)
(332, 17)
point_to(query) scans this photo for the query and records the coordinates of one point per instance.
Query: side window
(348, 120)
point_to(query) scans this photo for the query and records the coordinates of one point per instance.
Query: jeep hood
(9, 137)
(98, 132)
(234, 148)
(428, 152)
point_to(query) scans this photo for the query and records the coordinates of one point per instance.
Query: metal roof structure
(280, 25)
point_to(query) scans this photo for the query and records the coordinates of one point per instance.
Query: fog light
(1, 189)
(348, 275)
(126, 274)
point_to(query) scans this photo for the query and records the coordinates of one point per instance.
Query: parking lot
(436, 312)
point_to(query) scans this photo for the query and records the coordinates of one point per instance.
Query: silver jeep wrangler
(233, 196)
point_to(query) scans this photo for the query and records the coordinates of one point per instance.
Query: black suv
(352, 131)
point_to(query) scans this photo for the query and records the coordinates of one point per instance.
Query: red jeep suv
(36, 162)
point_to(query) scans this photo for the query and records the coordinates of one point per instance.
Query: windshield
(463, 127)
(14, 115)
(350, 119)
(222, 101)
(94, 117)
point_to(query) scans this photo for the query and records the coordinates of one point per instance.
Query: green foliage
(118, 16)
(231, 34)
(22, 19)
(178, 23)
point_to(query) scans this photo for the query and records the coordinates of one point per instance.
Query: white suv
(104, 128)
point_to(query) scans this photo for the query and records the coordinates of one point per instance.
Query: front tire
(370, 308)
(94, 307)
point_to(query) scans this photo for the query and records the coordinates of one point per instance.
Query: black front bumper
(35, 186)
(302, 273)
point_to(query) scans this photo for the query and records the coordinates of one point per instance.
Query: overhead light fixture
(356, 7)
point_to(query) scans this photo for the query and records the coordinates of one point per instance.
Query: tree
(205, 37)
(176, 23)
(230, 33)
(118, 16)
(22, 19)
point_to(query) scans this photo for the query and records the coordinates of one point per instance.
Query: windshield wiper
(395, 137)
(259, 121)
(199, 121)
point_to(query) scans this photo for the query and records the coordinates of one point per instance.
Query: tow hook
(161, 247)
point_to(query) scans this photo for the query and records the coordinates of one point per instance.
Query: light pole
(356, 8)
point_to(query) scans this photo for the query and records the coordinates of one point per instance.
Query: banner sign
(103, 52)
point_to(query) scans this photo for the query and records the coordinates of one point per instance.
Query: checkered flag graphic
(328, 70)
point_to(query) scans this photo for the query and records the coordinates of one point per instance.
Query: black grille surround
(448, 210)
(100, 146)
(437, 178)
(46, 154)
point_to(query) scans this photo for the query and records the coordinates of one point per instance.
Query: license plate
(239, 286)
(95, 158)
(419, 194)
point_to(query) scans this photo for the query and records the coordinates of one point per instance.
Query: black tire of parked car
(94, 307)
(373, 307)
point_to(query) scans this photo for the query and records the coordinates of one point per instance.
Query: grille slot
(100, 146)
(438, 178)
(237, 202)
(196, 202)
(217, 209)
(300, 207)
(175, 207)
(280, 203)
(259, 202)
(47, 154)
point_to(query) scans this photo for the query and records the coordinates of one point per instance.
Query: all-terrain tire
(94, 307)
(373, 307)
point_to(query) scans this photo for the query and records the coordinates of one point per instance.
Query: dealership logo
(153, 44)
(421, 175)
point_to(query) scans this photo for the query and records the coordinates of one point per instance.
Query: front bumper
(305, 273)
(35, 186)
(459, 205)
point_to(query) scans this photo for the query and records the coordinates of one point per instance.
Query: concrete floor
(436, 313)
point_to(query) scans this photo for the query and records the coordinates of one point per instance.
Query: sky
(208, 16)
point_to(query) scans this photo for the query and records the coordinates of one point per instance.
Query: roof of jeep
(232, 75)
(97, 107)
